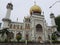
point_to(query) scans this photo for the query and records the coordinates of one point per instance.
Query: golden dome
(35, 9)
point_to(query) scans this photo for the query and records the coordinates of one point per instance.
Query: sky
(21, 8)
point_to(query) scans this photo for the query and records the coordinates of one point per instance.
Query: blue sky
(21, 8)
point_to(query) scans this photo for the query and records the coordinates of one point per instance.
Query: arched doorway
(39, 39)
(18, 36)
(10, 36)
(39, 28)
(26, 36)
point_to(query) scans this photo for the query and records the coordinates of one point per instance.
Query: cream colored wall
(38, 20)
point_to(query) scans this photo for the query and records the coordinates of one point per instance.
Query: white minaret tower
(54, 27)
(7, 20)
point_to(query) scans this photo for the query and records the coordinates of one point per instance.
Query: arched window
(28, 26)
(10, 35)
(39, 39)
(27, 36)
(38, 28)
(17, 26)
(14, 26)
(21, 27)
(19, 36)
(29, 20)
(25, 26)
(10, 25)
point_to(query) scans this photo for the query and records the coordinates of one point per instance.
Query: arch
(21, 28)
(18, 36)
(10, 35)
(14, 26)
(39, 28)
(10, 25)
(17, 26)
(27, 36)
(39, 39)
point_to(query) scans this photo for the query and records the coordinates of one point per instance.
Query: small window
(17, 26)
(28, 26)
(21, 27)
(14, 26)
(10, 25)
(28, 20)
(27, 36)
(25, 26)
(38, 28)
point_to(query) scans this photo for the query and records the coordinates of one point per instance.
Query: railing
(29, 43)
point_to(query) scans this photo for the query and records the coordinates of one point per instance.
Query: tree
(57, 20)
(54, 36)
(4, 31)
(9, 35)
(18, 36)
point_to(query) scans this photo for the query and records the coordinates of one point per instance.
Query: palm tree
(9, 35)
(4, 31)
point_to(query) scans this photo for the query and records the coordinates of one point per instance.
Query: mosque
(34, 27)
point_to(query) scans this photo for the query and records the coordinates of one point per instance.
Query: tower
(37, 24)
(7, 20)
(54, 27)
(27, 34)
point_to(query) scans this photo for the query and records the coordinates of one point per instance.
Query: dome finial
(34, 2)
(35, 9)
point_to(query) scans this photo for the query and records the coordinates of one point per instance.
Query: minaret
(7, 20)
(54, 27)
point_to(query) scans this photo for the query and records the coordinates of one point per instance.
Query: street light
(54, 4)
(52, 30)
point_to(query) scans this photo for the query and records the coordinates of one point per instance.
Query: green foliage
(54, 36)
(18, 37)
(4, 31)
(56, 41)
(22, 41)
(57, 20)
(6, 40)
(8, 34)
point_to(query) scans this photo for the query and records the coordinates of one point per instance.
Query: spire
(10, 5)
(17, 19)
(34, 2)
(43, 12)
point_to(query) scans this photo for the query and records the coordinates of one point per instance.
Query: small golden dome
(35, 9)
